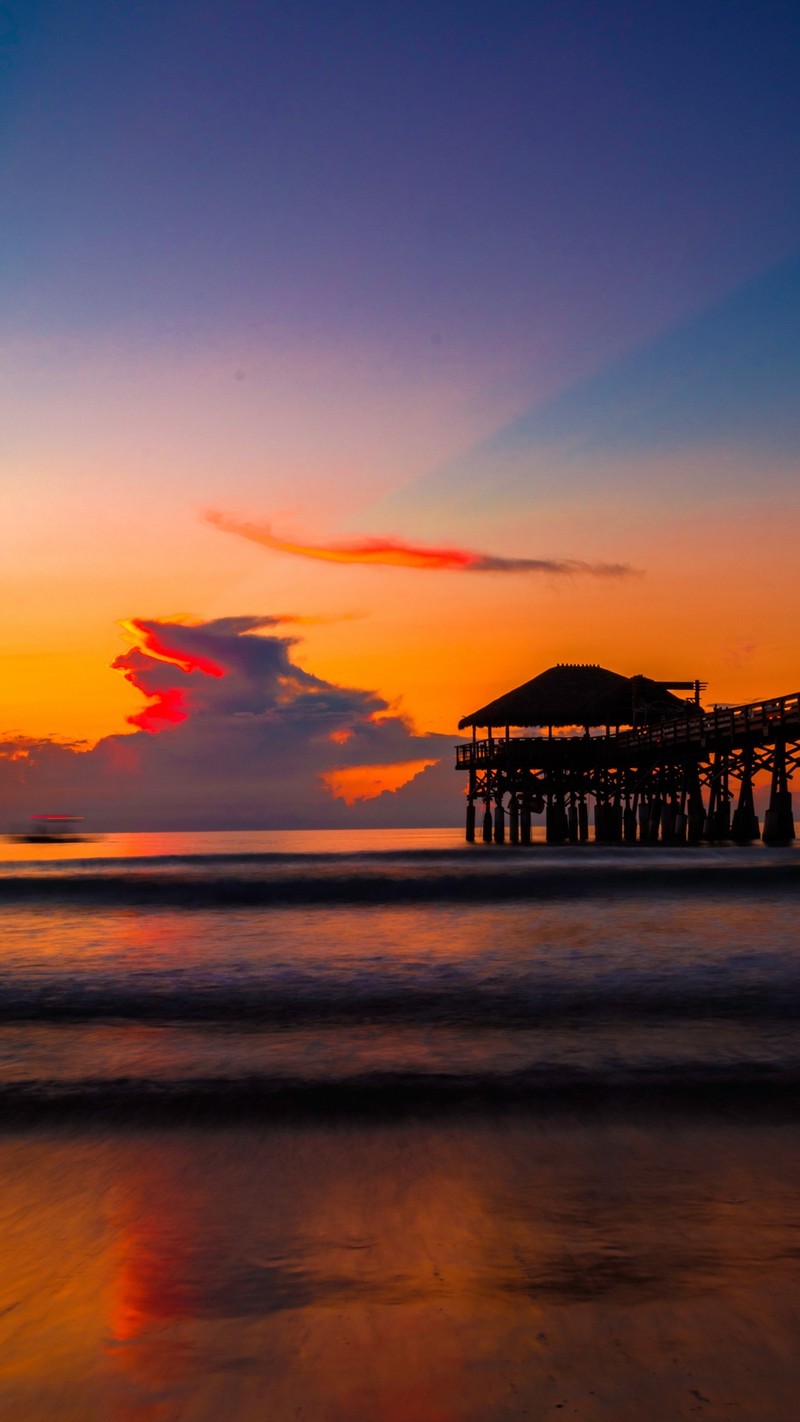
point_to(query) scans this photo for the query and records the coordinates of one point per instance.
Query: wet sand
(591, 1267)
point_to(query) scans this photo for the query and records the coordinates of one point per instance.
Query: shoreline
(400, 1100)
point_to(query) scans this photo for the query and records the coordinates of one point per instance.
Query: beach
(464, 1268)
(398, 1150)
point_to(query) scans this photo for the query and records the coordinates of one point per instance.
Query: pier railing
(756, 722)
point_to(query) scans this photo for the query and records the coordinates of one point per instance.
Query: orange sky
(714, 599)
(120, 449)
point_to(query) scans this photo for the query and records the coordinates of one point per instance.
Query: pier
(654, 768)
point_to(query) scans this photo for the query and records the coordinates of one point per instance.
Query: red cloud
(396, 553)
(154, 638)
(167, 709)
(159, 653)
(178, 665)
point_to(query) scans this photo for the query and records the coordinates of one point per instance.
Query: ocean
(378, 1125)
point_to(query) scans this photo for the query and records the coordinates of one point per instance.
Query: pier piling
(779, 819)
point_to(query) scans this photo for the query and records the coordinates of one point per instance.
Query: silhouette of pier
(657, 769)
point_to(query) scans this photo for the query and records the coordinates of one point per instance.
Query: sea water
(251, 965)
(383, 1126)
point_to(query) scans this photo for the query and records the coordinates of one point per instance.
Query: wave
(359, 1012)
(265, 881)
(535, 1000)
(692, 1087)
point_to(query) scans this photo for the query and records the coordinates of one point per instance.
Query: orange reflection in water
(291, 1246)
(154, 1247)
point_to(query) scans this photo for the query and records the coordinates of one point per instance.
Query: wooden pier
(660, 770)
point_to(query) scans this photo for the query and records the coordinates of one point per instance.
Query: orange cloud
(366, 782)
(342, 736)
(396, 553)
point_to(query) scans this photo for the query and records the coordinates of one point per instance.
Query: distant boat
(52, 829)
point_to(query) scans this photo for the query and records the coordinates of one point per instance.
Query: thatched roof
(579, 696)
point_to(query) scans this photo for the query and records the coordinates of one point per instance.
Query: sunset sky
(445, 341)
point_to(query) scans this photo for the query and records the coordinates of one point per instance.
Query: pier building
(655, 767)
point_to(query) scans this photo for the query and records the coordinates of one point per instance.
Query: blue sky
(726, 379)
(446, 173)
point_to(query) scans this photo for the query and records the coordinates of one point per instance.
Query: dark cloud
(234, 734)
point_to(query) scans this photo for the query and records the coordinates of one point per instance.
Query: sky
(391, 353)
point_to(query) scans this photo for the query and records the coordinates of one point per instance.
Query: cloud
(365, 782)
(397, 553)
(158, 640)
(236, 735)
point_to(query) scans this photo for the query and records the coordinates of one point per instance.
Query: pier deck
(648, 782)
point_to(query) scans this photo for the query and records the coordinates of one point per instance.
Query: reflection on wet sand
(435, 1271)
